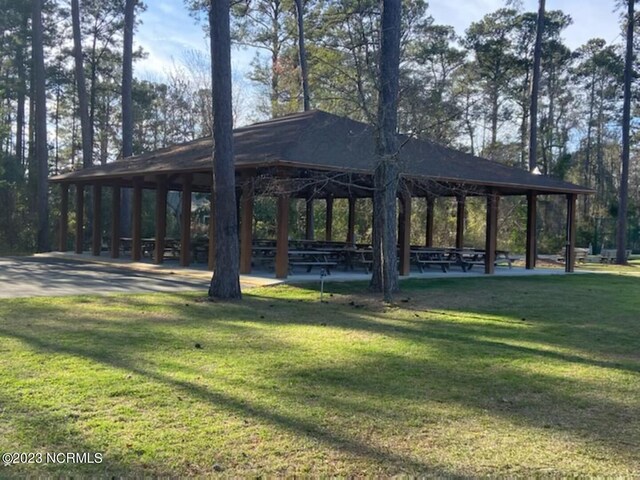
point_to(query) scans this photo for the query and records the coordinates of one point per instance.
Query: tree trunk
(22, 92)
(385, 230)
(275, 60)
(41, 150)
(535, 87)
(302, 54)
(621, 234)
(127, 79)
(225, 283)
(83, 105)
(495, 111)
(127, 108)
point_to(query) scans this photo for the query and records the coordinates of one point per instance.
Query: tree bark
(127, 108)
(621, 234)
(302, 54)
(83, 104)
(41, 150)
(22, 92)
(127, 79)
(225, 283)
(535, 87)
(386, 176)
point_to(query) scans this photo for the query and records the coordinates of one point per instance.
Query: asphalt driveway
(35, 277)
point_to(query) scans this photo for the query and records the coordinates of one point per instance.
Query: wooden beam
(530, 256)
(351, 222)
(491, 232)
(136, 220)
(212, 232)
(328, 229)
(404, 232)
(460, 200)
(185, 219)
(246, 227)
(96, 244)
(309, 219)
(570, 245)
(428, 242)
(64, 217)
(282, 236)
(161, 218)
(79, 218)
(115, 222)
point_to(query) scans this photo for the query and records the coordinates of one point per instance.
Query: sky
(167, 29)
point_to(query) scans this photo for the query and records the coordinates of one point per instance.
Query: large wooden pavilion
(311, 155)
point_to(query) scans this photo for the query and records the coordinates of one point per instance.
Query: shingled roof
(318, 140)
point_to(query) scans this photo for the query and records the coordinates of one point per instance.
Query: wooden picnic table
(468, 257)
(310, 258)
(425, 257)
(148, 246)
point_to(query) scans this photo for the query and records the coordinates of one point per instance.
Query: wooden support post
(309, 220)
(530, 256)
(328, 229)
(115, 222)
(212, 232)
(282, 237)
(570, 245)
(404, 232)
(491, 232)
(64, 217)
(185, 217)
(460, 221)
(136, 221)
(96, 243)
(161, 218)
(428, 242)
(246, 227)
(351, 222)
(79, 218)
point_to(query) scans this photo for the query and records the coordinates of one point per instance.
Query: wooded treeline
(469, 90)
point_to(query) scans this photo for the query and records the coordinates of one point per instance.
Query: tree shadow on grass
(123, 357)
(36, 430)
(473, 363)
(296, 425)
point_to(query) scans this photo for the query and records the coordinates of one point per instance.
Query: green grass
(463, 377)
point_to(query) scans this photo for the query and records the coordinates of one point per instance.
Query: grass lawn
(463, 377)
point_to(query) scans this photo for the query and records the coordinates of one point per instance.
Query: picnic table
(310, 258)
(148, 246)
(608, 255)
(425, 257)
(465, 258)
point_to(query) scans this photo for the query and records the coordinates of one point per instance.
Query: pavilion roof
(318, 140)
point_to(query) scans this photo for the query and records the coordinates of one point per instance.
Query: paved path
(33, 276)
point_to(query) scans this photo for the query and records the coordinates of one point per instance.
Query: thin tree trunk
(535, 87)
(22, 92)
(41, 150)
(127, 108)
(385, 230)
(127, 79)
(302, 54)
(495, 110)
(225, 283)
(57, 130)
(275, 60)
(83, 106)
(621, 234)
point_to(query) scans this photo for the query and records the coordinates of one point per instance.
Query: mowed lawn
(462, 377)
